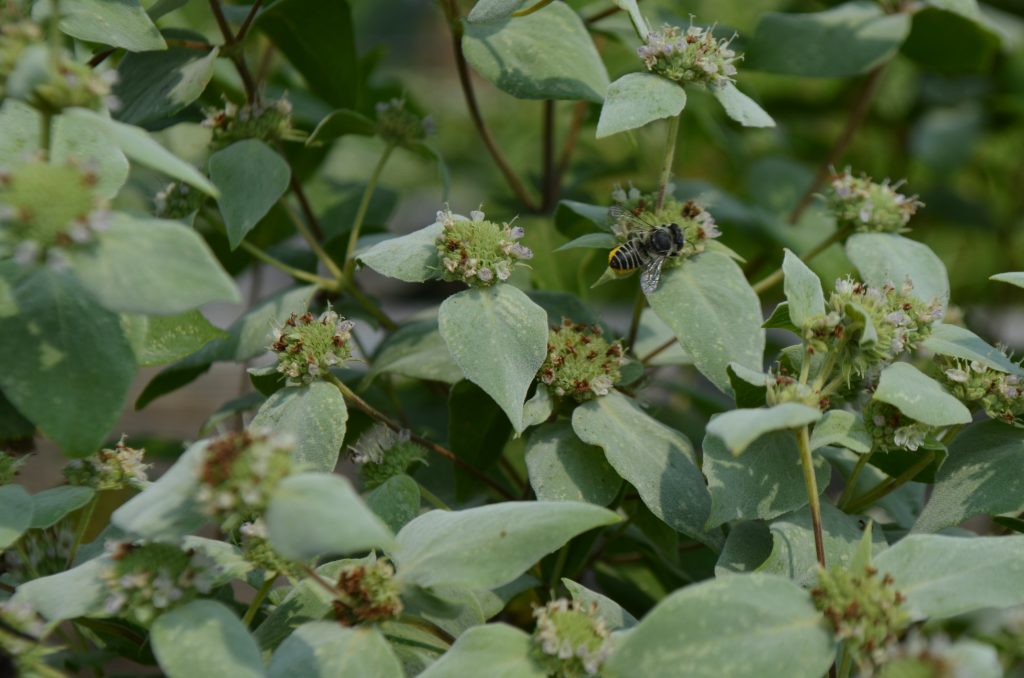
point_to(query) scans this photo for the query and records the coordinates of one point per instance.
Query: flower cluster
(572, 637)
(9, 467)
(999, 394)
(863, 609)
(891, 429)
(75, 85)
(270, 121)
(696, 223)
(367, 593)
(14, 38)
(33, 224)
(397, 125)
(109, 469)
(694, 55)
(864, 205)
(256, 548)
(478, 252)
(238, 473)
(178, 200)
(872, 326)
(783, 388)
(21, 636)
(382, 453)
(308, 346)
(40, 552)
(580, 362)
(145, 580)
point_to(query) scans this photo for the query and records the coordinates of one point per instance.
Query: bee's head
(678, 239)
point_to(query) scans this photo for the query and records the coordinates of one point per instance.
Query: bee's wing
(651, 275)
(624, 217)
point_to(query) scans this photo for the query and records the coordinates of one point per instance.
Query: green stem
(364, 205)
(532, 8)
(45, 132)
(83, 525)
(556, 571)
(887, 486)
(432, 498)
(670, 154)
(852, 480)
(307, 235)
(55, 39)
(811, 483)
(846, 663)
(950, 434)
(297, 273)
(258, 599)
(634, 323)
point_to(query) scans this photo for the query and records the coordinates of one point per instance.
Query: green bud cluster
(367, 593)
(478, 252)
(782, 388)
(693, 55)
(238, 473)
(864, 205)
(145, 580)
(571, 638)
(397, 125)
(307, 347)
(9, 467)
(580, 362)
(999, 394)
(40, 552)
(863, 609)
(871, 326)
(890, 429)
(178, 200)
(382, 454)
(696, 223)
(21, 635)
(33, 224)
(270, 121)
(14, 38)
(256, 548)
(75, 85)
(109, 469)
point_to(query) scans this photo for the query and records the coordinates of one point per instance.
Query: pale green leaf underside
(636, 99)
(314, 416)
(885, 257)
(737, 429)
(919, 396)
(189, 640)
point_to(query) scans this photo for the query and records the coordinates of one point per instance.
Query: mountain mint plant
(407, 442)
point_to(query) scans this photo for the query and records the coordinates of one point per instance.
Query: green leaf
(713, 311)
(409, 258)
(72, 138)
(67, 364)
(128, 268)
(538, 408)
(563, 468)
(607, 609)
(231, 564)
(781, 320)
(78, 592)
(740, 107)
(251, 178)
(766, 482)
(754, 625)
(396, 501)
(885, 257)
(171, 337)
(140, 147)
(191, 639)
(804, 295)
(959, 342)
(1014, 278)
(167, 508)
(415, 350)
(494, 650)
(737, 429)
(304, 518)
(123, 23)
(341, 123)
(748, 545)
(477, 433)
(52, 505)
(597, 241)
(984, 475)
(491, 545)
(842, 41)
(635, 16)
(919, 397)
(489, 10)
(948, 576)
(152, 86)
(657, 460)
(15, 513)
(315, 416)
(545, 55)
(327, 649)
(948, 22)
(841, 428)
(498, 338)
(318, 39)
(636, 99)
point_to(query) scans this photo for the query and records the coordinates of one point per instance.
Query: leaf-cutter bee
(648, 245)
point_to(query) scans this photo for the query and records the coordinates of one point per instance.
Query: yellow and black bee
(647, 246)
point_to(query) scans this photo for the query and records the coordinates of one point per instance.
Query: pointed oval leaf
(563, 468)
(494, 650)
(919, 396)
(492, 545)
(415, 350)
(251, 177)
(885, 257)
(636, 99)
(737, 429)
(191, 639)
(118, 24)
(804, 295)
(166, 509)
(740, 107)
(960, 342)
(315, 416)
(327, 649)
(340, 123)
(167, 338)
(498, 337)
(15, 513)
(607, 609)
(78, 592)
(489, 10)
(153, 86)
(50, 506)
(409, 258)
(1013, 278)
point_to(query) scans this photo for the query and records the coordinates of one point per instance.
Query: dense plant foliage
(722, 481)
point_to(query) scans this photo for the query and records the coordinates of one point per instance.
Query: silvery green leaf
(841, 428)
(78, 592)
(607, 609)
(1014, 278)
(119, 24)
(251, 177)
(563, 468)
(15, 513)
(737, 429)
(409, 258)
(740, 107)
(314, 416)
(167, 508)
(327, 649)
(886, 257)
(804, 295)
(51, 506)
(415, 350)
(919, 397)
(189, 640)
(960, 342)
(636, 99)
(494, 650)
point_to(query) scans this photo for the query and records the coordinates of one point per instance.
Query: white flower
(957, 375)
(910, 437)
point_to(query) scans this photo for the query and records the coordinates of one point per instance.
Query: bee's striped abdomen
(625, 257)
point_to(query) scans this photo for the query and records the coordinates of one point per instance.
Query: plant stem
(304, 231)
(548, 190)
(250, 613)
(536, 7)
(846, 663)
(248, 21)
(307, 209)
(670, 154)
(776, 277)
(432, 498)
(297, 273)
(83, 525)
(374, 413)
(811, 483)
(54, 35)
(891, 484)
(364, 205)
(634, 323)
(851, 482)
(556, 570)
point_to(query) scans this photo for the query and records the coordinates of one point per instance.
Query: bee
(648, 245)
